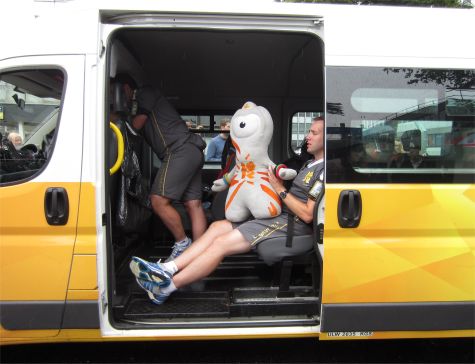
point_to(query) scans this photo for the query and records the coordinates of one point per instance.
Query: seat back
(217, 207)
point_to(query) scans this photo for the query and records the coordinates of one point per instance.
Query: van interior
(207, 74)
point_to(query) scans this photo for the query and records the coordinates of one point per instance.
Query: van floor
(242, 287)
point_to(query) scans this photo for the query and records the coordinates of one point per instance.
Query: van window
(30, 100)
(300, 125)
(208, 126)
(400, 125)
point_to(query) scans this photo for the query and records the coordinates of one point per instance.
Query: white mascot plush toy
(250, 192)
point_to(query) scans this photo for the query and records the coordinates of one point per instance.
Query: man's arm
(304, 210)
(139, 121)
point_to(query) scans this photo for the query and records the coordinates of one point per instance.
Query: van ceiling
(195, 65)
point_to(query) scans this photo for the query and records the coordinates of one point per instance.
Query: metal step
(179, 305)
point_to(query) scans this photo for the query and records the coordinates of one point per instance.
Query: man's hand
(275, 182)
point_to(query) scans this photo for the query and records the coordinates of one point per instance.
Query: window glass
(197, 123)
(400, 125)
(208, 126)
(29, 109)
(214, 129)
(300, 125)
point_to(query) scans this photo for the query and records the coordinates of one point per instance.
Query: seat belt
(290, 230)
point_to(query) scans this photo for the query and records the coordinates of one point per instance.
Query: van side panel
(36, 257)
(401, 140)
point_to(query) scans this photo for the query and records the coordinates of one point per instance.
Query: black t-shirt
(165, 130)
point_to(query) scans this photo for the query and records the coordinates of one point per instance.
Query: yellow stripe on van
(417, 244)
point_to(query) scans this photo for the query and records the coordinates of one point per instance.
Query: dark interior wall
(220, 70)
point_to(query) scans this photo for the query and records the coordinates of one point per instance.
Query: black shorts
(179, 177)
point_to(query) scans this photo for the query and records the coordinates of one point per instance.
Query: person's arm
(139, 121)
(304, 210)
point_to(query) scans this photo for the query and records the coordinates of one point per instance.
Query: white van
(396, 257)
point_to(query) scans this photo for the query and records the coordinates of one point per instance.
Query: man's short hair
(318, 118)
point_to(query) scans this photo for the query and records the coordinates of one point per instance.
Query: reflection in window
(410, 125)
(29, 101)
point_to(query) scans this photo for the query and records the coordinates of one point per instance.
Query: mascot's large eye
(245, 126)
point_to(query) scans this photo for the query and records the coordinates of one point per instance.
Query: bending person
(224, 238)
(181, 153)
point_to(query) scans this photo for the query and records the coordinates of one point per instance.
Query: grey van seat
(275, 252)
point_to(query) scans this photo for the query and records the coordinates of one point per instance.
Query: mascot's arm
(223, 183)
(284, 173)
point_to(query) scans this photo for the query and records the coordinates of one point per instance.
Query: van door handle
(349, 208)
(56, 206)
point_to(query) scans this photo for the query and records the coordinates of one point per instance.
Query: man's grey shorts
(260, 233)
(179, 176)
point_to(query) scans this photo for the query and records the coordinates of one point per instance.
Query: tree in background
(423, 3)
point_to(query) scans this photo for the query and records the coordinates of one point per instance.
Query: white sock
(170, 267)
(184, 241)
(169, 289)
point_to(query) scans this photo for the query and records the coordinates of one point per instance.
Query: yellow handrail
(120, 148)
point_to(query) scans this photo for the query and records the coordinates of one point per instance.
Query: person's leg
(197, 216)
(207, 261)
(169, 215)
(193, 193)
(157, 272)
(216, 229)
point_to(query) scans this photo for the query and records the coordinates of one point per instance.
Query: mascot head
(252, 126)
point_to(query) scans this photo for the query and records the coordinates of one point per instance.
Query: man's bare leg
(202, 265)
(216, 229)
(171, 218)
(197, 216)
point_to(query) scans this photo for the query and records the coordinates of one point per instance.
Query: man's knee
(192, 204)
(229, 244)
(221, 227)
(159, 201)
(220, 224)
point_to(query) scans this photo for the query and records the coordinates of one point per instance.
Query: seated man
(224, 238)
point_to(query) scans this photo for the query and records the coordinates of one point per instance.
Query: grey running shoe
(178, 249)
